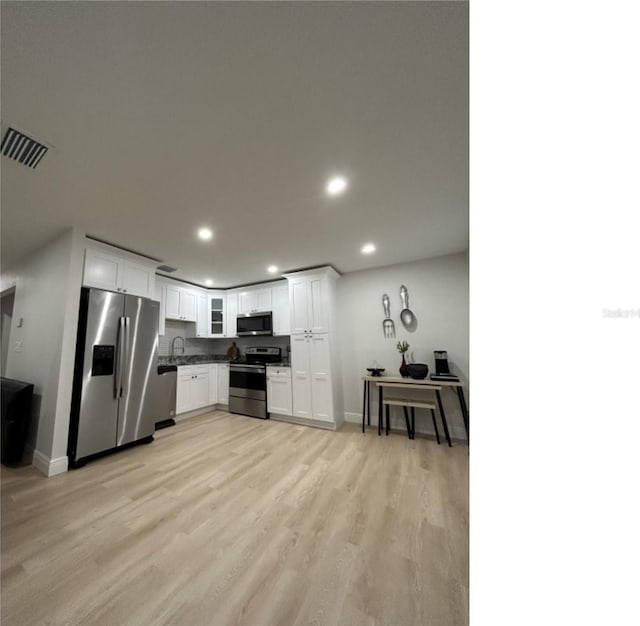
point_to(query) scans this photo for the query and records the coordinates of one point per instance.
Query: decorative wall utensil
(388, 327)
(407, 317)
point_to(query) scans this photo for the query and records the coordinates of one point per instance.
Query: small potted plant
(403, 346)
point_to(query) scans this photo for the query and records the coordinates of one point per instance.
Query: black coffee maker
(442, 367)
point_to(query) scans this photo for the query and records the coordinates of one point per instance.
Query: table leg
(387, 428)
(368, 403)
(443, 417)
(406, 419)
(435, 425)
(413, 422)
(379, 411)
(463, 408)
(364, 402)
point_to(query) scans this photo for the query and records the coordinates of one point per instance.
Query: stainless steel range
(248, 382)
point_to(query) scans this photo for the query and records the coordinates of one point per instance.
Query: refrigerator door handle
(119, 358)
(127, 356)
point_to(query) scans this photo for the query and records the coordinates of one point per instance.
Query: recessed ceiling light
(208, 282)
(337, 185)
(205, 233)
(368, 248)
(272, 269)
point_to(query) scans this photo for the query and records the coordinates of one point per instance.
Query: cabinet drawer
(200, 369)
(279, 372)
(186, 370)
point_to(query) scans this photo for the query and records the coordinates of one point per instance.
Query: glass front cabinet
(217, 319)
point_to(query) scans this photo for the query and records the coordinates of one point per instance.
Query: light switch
(18, 346)
(19, 324)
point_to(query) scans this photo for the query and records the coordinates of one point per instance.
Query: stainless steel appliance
(254, 324)
(248, 382)
(115, 370)
(164, 396)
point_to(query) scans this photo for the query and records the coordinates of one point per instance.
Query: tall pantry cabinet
(314, 355)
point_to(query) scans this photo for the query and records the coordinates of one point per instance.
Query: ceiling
(164, 117)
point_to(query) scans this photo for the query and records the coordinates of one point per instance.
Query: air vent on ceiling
(21, 148)
(167, 268)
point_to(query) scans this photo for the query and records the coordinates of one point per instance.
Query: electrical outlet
(18, 346)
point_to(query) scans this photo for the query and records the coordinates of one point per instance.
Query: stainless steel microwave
(252, 324)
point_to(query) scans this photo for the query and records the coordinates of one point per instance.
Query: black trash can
(16, 413)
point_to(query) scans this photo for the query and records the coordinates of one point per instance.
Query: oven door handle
(248, 368)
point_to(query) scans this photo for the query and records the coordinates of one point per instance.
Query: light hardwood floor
(230, 520)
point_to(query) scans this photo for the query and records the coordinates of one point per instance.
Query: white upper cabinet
(232, 314)
(254, 300)
(202, 316)
(309, 300)
(180, 303)
(280, 308)
(216, 321)
(107, 270)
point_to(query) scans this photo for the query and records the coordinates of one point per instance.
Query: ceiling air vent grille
(21, 148)
(167, 268)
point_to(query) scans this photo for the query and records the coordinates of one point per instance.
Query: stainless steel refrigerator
(115, 373)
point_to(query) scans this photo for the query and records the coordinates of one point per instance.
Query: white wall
(6, 310)
(439, 298)
(47, 290)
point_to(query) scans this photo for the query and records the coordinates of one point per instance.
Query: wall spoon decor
(407, 317)
(388, 327)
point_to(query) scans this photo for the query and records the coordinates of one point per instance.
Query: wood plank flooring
(230, 520)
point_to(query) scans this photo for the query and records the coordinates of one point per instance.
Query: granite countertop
(192, 359)
(283, 364)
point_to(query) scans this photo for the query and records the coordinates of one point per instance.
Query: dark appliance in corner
(248, 382)
(114, 380)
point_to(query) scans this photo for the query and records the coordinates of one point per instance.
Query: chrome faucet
(173, 345)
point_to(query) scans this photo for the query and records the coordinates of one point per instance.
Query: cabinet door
(317, 305)
(247, 302)
(202, 321)
(159, 296)
(300, 377)
(137, 279)
(279, 398)
(217, 320)
(200, 390)
(187, 305)
(298, 301)
(263, 300)
(183, 393)
(172, 302)
(320, 367)
(232, 314)
(213, 383)
(280, 304)
(223, 383)
(102, 270)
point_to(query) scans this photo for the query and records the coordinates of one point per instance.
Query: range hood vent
(167, 268)
(22, 148)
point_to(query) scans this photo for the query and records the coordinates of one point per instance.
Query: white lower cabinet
(279, 394)
(223, 383)
(192, 391)
(213, 383)
(311, 377)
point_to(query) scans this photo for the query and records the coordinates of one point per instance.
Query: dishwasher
(164, 395)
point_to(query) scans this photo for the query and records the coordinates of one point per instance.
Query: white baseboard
(302, 421)
(50, 467)
(201, 411)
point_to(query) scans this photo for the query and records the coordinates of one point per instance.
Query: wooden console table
(426, 384)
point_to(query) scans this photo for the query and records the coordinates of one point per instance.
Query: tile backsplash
(193, 346)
